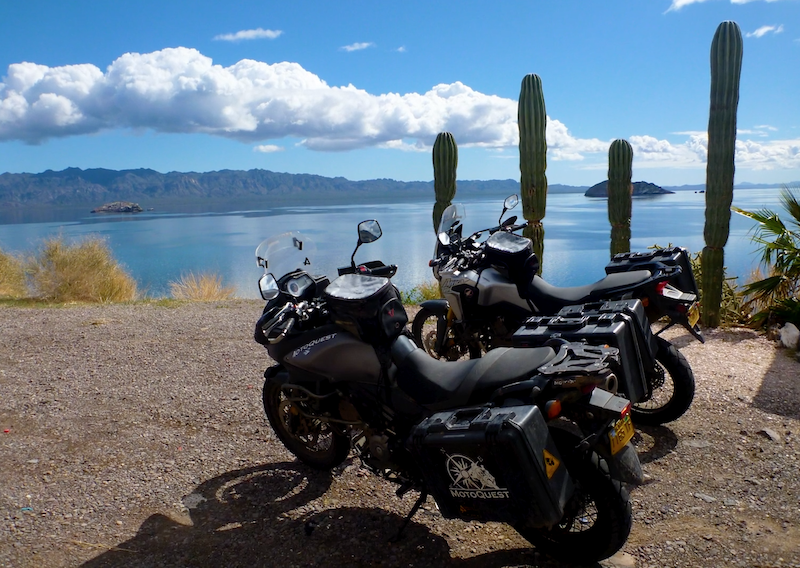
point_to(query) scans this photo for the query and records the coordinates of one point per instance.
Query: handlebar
(371, 268)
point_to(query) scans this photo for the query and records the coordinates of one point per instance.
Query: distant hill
(75, 186)
(639, 188)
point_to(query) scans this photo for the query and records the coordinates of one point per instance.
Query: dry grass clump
(12, 276)
(204, 287)
(84, 271)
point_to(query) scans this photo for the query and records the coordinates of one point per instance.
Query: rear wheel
(425, 329)
(597, 518)
(313, 441)
(672, 396)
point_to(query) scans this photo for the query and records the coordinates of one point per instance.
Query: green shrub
(12, 277)
(731, 310)
(421, 293)
(774, 298)
(83, 271)
(205, 287)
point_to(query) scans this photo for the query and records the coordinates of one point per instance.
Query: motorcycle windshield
(285, 253)
(452, 215)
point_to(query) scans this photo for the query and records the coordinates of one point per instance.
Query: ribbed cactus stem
(532, 120)
(535, 232)
(445, 163)
(620, 189)
(726, 67)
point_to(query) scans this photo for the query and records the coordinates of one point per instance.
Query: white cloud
(678, 4)
(257, 33)
(357, 46)
(764, 30)
(268, 148)
(179, 90)
(401, 49)
(748, 154)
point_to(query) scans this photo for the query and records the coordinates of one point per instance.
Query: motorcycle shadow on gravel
(263, 516)
(654, 442)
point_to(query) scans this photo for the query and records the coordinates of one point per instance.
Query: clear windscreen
(285, 253)
(453, 214)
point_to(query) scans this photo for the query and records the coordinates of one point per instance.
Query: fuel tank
(334, 354)
(494, 288)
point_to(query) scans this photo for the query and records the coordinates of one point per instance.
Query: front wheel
(597, 519)
(313, 441)
(426, 329)
(672, 396)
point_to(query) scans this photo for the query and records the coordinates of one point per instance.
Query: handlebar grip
(388, 270)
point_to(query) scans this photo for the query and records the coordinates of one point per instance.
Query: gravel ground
(133, 436)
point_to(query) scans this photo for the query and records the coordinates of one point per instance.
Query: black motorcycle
(531, 437)
(491, 289)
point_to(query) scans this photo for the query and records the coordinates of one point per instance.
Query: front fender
(277, 374)
(437, 307)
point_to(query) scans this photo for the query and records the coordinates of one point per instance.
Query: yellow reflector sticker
(550, 464)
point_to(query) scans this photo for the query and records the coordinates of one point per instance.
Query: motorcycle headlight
(299, 284)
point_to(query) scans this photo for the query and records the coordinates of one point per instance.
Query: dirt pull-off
(134, 436)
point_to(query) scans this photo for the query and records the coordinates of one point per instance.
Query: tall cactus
(620, 189)
(726, 67)
(445, 162)
(532, 120)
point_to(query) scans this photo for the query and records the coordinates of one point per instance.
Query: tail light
(660, 287)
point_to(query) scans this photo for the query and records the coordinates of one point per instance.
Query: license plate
(621, 434)
(694, 314)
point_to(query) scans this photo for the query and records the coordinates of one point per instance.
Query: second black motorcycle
(491, 290)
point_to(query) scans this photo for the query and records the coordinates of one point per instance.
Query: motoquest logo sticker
(471, 479)
(306, 349)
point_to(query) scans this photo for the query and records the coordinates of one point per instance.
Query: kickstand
(422, 496)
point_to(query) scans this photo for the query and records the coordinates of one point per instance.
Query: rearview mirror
(369, 231)
(268, 287)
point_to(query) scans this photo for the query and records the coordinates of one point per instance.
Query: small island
(119, 207)
(640, 188)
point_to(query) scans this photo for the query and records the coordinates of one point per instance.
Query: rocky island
(639, 188)
(119, 207)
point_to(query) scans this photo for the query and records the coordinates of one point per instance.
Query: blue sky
(360, 89)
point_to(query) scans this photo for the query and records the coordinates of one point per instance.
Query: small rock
(704, 497)
(619, 560)
(790, 336)
(770, 434)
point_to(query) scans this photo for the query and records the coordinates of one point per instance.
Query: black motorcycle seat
(549, 299)
(444, 385)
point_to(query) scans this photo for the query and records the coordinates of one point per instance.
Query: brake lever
(284, 333)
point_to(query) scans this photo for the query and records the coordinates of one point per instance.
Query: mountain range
(74, 186)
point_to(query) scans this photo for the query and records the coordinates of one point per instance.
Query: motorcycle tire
(425, 327)
(672, 399)
(314, 442)
(597, 518)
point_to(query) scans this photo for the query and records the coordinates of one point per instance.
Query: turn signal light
(552, 408)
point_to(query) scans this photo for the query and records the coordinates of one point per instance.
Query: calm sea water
(158, 247)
